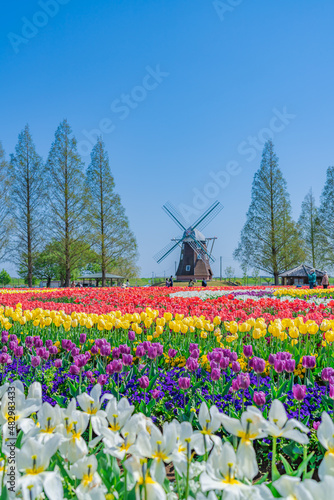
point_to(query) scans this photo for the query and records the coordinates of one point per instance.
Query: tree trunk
(67, 277)
(276, 279)
(48, 283)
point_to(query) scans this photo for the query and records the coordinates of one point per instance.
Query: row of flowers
(98, 447)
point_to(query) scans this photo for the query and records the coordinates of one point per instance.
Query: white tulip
(210, 421)
(33, 460)
(91, 486)
(248, 428)
(137, 467)
(326, 437)
(279, 425)
(73, 446)
(291, 488)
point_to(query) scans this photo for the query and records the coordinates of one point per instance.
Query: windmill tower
(195, 254)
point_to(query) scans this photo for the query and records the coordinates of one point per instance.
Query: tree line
(271, 240)
(56, 219)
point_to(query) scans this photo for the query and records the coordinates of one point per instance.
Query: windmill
(195, 255)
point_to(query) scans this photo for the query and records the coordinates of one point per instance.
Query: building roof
(299, 272)
(96, 276)
(197, 235)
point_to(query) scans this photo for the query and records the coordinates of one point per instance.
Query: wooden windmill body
(195, 255)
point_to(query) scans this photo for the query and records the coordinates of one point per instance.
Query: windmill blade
(175, 215)
(167, 250)
(208, 216)
(202, 250)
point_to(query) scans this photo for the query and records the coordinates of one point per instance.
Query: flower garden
(158, 393)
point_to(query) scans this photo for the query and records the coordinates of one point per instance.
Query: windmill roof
(299, 272)
(197, 234)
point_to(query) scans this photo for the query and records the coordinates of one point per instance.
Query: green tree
(46, 266)
(312, 232)
(67, 198)
(6, 221)
(326, 213)
(27, 181)
(5, 279)
(270, 239)
(109, 229)
(229, 273)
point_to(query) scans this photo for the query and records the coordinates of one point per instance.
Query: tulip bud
(131, 335)
(184, 383)
(248, 350)
(35, 361)
(102, 379)
(299, 392)
(82, 338)
(290, 365)
(258, 365)
(74, 370)
(155, 393)
(172, 353)
(243, 380)
(224, 363)
(140, 351)
(58, 363)
(259, 398)
(215, 374)
(236, 367)
(143, 382)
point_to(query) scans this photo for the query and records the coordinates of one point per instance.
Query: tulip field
(162, 393)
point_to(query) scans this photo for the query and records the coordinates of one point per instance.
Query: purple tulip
(35, 361)
(172, 353)
(13, 337)
(259, 398)
(89, 374)
(316, 425)
(215, 374)
(140, 351)
(105, 350)
(327, 373)
(279, 365)
(4, 339)
(82, 338)
(74, 370)
(117, 365)
(194, 353)
(331, 391)
(290, 365)
(18, 351)
(94, 349)
(258, 365)
(4, 349)
(131, 335)
(146, 344)
(29, 341)
(236, 367)
(75, 351)
(38, 342)
(127, 359)
(192, 364)
(224, 363)
(58, 363)
(233, 356)
(155, 394)
(80, 361)
(309, 362)
(12, 344)
(5, 359)
(243, 380)
(124, 349)
(299, 392)
(48, 343)
(184, 383)
(271, 359)
(53, 350)
(152, 352)
(143, 382)
(235, 385)
(193, 346)
(248, 350)
(102, 379)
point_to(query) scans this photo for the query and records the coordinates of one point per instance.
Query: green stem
(273, 459)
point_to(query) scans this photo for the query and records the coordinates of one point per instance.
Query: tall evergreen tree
(67, 198)
(311, 231)
(112, 238)
(326, 213)
(28, 200)
(6, 222)
(270, 239)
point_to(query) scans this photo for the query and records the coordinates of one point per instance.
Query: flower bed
(228, 354)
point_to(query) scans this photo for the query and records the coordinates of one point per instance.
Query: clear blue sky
(223, 76)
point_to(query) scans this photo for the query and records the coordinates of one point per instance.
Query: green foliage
(270, 240)
(5, 279)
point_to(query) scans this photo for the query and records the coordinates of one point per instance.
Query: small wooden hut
(298, 276)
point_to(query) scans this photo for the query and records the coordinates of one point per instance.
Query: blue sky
(185, 94)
